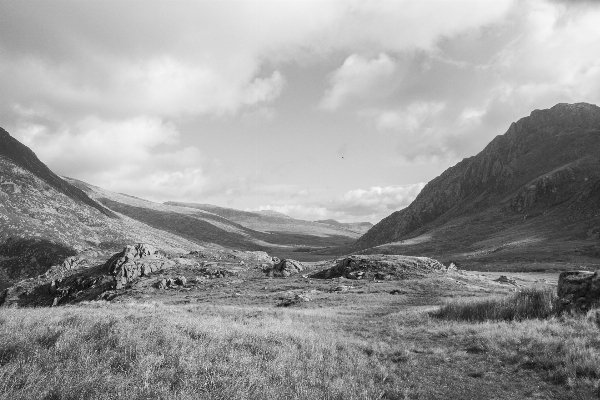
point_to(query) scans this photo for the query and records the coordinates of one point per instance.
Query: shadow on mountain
(25, 257)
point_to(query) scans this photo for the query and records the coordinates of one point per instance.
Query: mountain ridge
(24, 157)
(543, 161)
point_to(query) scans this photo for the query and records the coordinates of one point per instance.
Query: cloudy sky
(318, 109)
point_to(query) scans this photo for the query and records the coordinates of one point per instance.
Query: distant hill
(273, 221)
(531, 196)
(360, 227)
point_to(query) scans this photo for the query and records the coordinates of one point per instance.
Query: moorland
(104, 295)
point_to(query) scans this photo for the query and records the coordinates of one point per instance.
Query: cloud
(134, 156)
(206, 57)
(357, 205)
(264, 89)
(357, 77)
(409, 120)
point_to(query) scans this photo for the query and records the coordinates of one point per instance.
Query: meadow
(419, 350)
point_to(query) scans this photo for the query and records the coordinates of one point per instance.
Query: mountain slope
(272, 221)
(361, 227)
(44, 219)
(535, 187)
(201, 226)
(22, 156)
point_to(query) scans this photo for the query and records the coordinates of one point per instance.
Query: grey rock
(135, 261)
(506, 279)
(578, 291)
(285, 268)
(379, 267)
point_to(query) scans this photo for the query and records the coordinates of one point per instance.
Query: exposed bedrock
(134, 261)
(285, 268)
(383, 267)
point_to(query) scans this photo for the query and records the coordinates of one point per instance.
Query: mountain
(21, 156)
(205, 224)
(45, 219)
(273, 221)
(360, 227)
(531, 195)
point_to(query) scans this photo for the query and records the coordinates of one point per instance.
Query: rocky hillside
(21, 156)
(535, 188)
(44, 219)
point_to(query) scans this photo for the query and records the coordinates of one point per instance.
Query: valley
(177, 300)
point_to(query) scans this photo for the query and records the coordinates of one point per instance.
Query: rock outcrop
(135, 261)
(545, 162)
(382, 267)
(285, 268)
(578, 291)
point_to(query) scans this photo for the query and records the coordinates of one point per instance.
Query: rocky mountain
(44, 218)
(21, 156)
(532, 194)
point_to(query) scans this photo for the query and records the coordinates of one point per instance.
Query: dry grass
(379, 349)
(565, 349)
(163, 352)
(525, 304)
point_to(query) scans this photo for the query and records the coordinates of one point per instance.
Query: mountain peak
(543, 163)
(24, 157)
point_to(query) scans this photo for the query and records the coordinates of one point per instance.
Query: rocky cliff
(542, 162)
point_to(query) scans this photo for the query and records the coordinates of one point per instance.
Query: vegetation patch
(525, 304)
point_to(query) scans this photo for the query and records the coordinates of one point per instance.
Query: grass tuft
(526, 304)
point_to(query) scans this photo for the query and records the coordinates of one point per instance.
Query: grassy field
(392, 347)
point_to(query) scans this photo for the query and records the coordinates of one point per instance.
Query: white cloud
(357, 77)
(357, 205)
(409, 119)
(207, 57)
(264, 89)
(133, 156)
(556, 58)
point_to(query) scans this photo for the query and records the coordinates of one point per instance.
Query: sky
(317, 109)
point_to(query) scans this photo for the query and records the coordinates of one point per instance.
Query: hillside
(532, 195)
(273, 221)
(45, 219)
(361, 227)
(230, 228)
(21, 156)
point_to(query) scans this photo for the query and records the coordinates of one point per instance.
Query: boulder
(341, 288)
(285, 268)
(135, 261)
(578, 291)
(381, 267)
(297, 299)
(506, 279)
